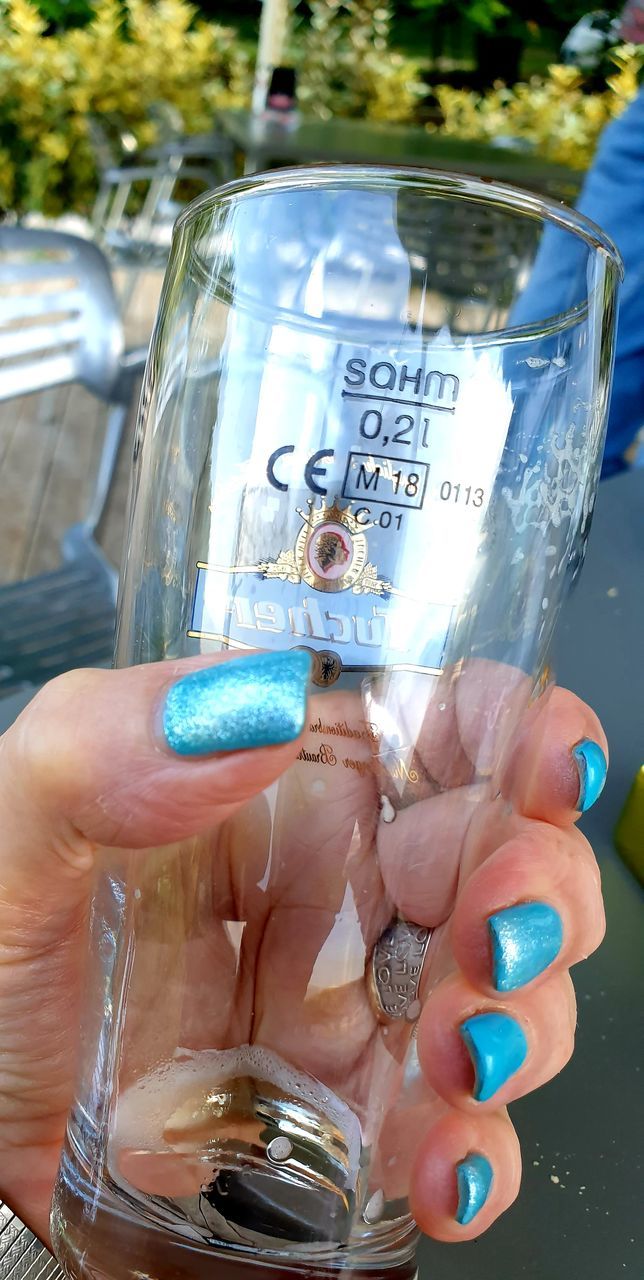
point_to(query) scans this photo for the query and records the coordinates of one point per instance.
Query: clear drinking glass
(364, 431)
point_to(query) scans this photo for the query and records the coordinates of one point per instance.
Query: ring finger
(481, 1054)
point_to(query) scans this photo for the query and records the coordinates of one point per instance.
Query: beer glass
(364, 434)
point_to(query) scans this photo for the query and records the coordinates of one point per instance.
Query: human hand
(486, 827)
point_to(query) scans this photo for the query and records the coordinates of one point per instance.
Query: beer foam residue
(553, 490)
(144, 1108)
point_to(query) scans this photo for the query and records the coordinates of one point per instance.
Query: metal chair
(139, 198)
(60, 324)
(475, 258)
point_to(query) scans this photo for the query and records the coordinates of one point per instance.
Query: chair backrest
(475, 255)
(59, 318)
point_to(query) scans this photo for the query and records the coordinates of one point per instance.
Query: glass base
(97, 1235)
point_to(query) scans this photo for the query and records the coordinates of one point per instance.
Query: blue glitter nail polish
(497, 1046)
(592, 766)
(525, 940)
(474, 1178)
(255, 701)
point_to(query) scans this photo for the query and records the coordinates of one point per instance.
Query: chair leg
(79, 539)
(121, 196)
(131, 274)
(99, 212)
(79, 544)
(114, 428)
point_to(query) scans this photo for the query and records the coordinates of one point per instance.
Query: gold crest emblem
(330, 554)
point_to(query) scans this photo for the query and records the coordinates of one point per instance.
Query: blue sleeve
(613, 196)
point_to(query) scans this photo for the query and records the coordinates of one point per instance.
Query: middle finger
(532, 907)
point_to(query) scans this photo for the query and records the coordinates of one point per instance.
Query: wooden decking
(50, 445)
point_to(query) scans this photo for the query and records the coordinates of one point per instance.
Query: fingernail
(592, 767)
(497, 1046)
(525, 940)
(474, 1177)
(248, 702)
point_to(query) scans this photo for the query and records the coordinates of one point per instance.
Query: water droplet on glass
(279, 1149)
(374, 1207)
(387, 809)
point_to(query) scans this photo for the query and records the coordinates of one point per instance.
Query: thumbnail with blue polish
(592, 766)
(255, 701)
(497, 1046)
(525, 940)
(474, 1177)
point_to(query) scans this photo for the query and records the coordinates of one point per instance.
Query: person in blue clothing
(613, 196)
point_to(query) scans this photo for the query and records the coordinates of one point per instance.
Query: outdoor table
(369, 142)
(580, 1207)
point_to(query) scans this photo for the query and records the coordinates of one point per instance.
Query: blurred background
(538, 74)
(115, 113)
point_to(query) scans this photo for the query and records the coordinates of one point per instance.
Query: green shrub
(346, 67)
(135, 55)
(552, 113)
(130, 57)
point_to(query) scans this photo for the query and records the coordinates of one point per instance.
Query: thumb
(138, 757)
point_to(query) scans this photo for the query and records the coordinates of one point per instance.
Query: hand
(483, 802)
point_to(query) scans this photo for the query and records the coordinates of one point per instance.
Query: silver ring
(395, 969)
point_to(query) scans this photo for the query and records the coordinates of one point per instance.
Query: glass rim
(481, 190)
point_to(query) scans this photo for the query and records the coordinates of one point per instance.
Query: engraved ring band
(394, 971)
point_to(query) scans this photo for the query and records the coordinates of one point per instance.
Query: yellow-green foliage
(131, 57)
(346, 67)
(137, 54)
(553, 114)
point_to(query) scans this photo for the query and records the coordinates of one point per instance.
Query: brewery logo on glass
(330, 554)
(247, 606)
(334, 555)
